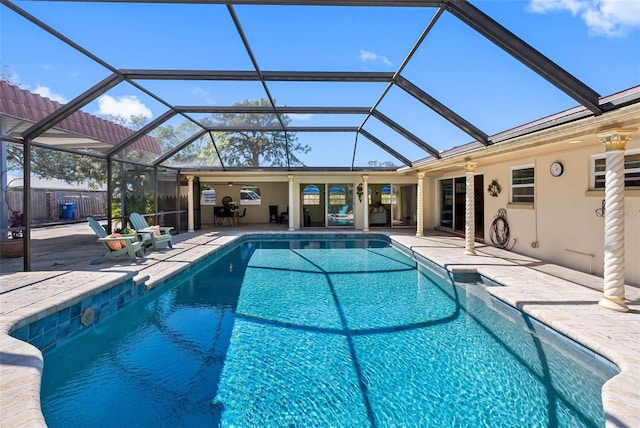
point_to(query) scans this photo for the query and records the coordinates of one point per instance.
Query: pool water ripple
(276, 334)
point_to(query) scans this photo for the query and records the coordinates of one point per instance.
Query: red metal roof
(25, 105)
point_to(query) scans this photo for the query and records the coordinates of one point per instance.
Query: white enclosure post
(470, 210)
(614, 141)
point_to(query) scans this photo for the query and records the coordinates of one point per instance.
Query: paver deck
(561, 298)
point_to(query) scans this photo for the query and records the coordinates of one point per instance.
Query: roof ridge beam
(288, 129)
(268, 109)
(442, 110)
(375, 3)
(525, 53)
(241, 75)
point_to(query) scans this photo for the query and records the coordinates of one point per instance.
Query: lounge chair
(151, 235)
(116, 245)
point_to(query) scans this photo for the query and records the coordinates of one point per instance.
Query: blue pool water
(320, 333)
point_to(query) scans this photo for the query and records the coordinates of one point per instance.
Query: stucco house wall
(562, 225)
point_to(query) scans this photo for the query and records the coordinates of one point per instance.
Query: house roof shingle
(25, 105)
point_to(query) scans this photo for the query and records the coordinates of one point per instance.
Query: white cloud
(204, 95)
(298, 116)
(611, 18)
(366, 56)
(45, 92)
(126, 106)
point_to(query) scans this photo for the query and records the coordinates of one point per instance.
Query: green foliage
(132, 189)
(258, 147)
(250, 148)
(134, 122)
(53, 164)
(169, 138)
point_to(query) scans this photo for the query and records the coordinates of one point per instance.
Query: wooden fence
(52, 205)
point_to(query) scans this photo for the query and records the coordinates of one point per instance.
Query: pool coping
(560, 298)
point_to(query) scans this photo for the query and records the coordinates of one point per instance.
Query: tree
(7, 74)
(48, 164)
(69, 167)
(379, 164)
(256, 146)
(134, 122)
(193, 154)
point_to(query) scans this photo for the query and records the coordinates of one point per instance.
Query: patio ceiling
(411, 97)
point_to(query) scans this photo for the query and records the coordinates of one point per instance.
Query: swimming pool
(326, 333)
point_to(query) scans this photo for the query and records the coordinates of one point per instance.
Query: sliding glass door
(340, 205)
(404, 205)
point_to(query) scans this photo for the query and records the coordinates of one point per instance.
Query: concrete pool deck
(563, 299)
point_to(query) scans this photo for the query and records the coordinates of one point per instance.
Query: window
(311, 195)
(522, 185)
(250, 196)
(337, 195)
(388, 194)
(631, 170)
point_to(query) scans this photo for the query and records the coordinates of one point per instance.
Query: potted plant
(14, 247)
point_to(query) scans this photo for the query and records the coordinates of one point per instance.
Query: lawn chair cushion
(116, 245)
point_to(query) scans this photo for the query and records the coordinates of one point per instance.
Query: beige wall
(272, 194)
(562, 226)
(274, 190)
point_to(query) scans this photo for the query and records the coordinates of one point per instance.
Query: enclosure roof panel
(411, 79)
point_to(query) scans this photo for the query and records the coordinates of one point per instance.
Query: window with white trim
(523, 184)
(631, 170)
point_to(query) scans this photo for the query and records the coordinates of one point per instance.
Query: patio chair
(228, 214)
(151, 235)
(241, 216)
(116, 245)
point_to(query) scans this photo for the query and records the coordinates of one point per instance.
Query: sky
(597, 41)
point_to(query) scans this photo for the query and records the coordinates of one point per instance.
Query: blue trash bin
(68, 210)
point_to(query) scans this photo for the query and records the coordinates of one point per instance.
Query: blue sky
(598, 41)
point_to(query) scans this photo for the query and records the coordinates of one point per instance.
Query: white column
(365, 190)
(470, 211)
(420, 207)
(291, 210)
(614, 141)
(190, 204)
